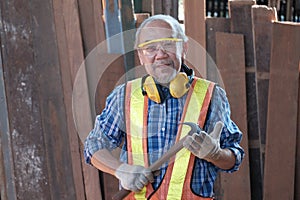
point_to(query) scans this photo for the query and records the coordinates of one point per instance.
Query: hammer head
(194, 127)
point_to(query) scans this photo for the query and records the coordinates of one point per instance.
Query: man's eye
(169, 45)
(150, 48)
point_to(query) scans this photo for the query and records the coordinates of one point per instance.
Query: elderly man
(145, 117)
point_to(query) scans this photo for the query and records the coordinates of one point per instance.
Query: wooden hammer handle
(155, 166)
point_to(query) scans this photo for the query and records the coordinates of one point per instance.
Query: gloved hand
(203, 145)
(133, 177)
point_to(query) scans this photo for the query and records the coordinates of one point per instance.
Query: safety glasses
(150, 48)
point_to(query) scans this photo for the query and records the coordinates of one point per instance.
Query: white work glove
(133, 177)
(205, 146)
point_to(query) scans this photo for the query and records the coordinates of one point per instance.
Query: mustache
(165, 62)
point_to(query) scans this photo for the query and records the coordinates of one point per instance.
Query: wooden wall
(38, 161)
(248, 42)
(44, 45)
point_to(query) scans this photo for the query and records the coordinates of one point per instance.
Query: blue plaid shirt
(109, 132)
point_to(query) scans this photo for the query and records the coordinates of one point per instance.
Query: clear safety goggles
(150, 48)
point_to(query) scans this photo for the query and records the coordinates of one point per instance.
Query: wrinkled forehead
(155, 30)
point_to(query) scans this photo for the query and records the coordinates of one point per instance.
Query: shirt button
(163, 129)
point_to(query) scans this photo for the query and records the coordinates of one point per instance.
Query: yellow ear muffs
(151, 90)
(179, 85)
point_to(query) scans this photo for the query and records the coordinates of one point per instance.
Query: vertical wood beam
(214, 25)
(7, 181)
(139, 18)
(262, 18)
(71, 55)
(118, 41)
(195, 30)
(156, 7)
(36, 111)
(241, 22)
(28, 156)
(288, 14)
(91, 23)
(297, 170)
(167, 7)
(279, 175)
(128, 24)
(113, 26)
(51, 102)
(146, 5)
(230, 58)
(114, 64)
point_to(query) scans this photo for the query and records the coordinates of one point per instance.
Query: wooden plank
(93, 37)
(214, 25)
(70, 46)
(282, 112)
(262, 17)
(128, 25)
(139, 18)
(98, 80)
(138, 6)
(28, 157)
(146, 6)
(194, 22)
(156, 7)
(231, 63)
(112, 26)
(91, 23)
(51, 102)
(167, 7)
(297, 171)
(83, 98)
(105, 80)
(119, 40)
(241, 22)
(170, 7)
(7, 183)
(36, 142)
(108, 81)
(82, 112)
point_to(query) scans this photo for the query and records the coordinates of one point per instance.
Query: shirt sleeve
(108, 130)
(231, 136)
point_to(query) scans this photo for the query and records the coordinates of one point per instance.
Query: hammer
(169, 154)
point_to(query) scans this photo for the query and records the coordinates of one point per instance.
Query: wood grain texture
(230, 59)
(241, 23)
(194, 22)
(282, 112)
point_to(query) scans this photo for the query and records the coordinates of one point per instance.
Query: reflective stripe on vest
(136, 129)
(179, 173)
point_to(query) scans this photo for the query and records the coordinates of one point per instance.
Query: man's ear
(185, 48)
(140, 57)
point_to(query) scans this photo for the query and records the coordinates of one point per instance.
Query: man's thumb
(217, 130)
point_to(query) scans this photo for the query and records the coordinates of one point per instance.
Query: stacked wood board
(271, 65)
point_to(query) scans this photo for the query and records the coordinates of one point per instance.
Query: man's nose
(160, 51)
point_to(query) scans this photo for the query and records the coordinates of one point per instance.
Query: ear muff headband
(178, 87)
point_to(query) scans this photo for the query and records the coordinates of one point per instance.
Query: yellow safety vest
(179, 173)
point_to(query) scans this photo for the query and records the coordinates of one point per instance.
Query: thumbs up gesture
(204, 145)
